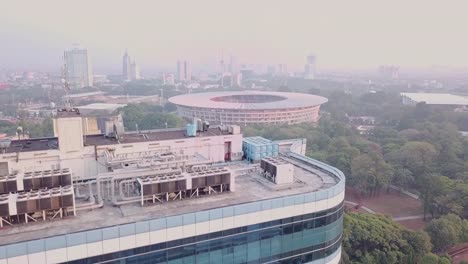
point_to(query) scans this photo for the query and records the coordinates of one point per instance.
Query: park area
(400, 207)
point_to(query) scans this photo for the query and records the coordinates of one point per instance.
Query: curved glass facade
(296, 239)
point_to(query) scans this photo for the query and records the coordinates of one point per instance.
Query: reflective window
(289, 240)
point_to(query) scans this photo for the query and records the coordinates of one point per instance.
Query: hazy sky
(343, 34)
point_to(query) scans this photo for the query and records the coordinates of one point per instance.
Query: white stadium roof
(437, 98)
(248, 100)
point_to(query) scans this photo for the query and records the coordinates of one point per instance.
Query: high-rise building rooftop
(166, 196)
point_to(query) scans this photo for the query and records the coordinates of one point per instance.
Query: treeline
(32, 129)
(426, 154)
(412, 147)
(150, 116)
(370, 238)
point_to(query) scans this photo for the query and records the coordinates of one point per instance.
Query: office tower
(310, 67)
(389, 71)
(184, 71)
(126, 67)
(233, 68)
(78, 68)
(130, 70)
(271, 70)
(135, 71)
(188, 71)
(283, 69)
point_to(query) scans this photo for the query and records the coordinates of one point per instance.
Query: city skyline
(355, 35)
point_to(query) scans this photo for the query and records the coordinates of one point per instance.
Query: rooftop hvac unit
(22, 203)
(11, 183)
(234, 129)
(28, 181)
(4, 205)
(114, 129)
(36, 183)
(45, 202)
(206, 125)
(55, 198)
(3, 184)
(5, 143)
(67, 197)
(191, 130)
(280, 170)
(199, 124)
(33, 202)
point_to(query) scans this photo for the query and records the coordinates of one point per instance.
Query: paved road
(363, 207)
(403, 218)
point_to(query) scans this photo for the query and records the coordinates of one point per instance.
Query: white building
(310, 67)
(78, 68)
(184, 71)
(434, 99)
(135, 71)
(130, 70)
(164, 196)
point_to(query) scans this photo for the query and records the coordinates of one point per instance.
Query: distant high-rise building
(135, 71)
(283, 69)
(126, 67)
(184, 71)
(271, 70)
(130, 70)
(168, 79)
(310, 67)
(180, 70)
(389, 72)
(78, 68)
(233, 68)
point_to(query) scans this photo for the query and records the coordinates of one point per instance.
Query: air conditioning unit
(280, 171)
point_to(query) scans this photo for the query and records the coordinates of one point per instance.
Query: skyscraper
(135, 71)
(78, 68)
(233, 69)
(130, 70)
(184, 71)
(310, 67)
(283, 69)
(126, 67)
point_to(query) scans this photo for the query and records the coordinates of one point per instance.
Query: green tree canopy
(447, 231)
(370, 238)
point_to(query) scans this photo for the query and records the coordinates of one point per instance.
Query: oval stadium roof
(248, 100)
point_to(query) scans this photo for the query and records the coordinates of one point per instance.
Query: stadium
(250, 107)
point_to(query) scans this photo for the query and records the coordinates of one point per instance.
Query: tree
(341, 154)
(170, 107)
(418, 157)
(431, 258)
(370, 173)
(419, 241)
(370, 238)
(44, 129)
(7, 128)
(148, 116)
(431, 187)
(402, 177)
(446, 232)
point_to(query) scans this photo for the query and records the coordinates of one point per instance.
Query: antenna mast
(66, 86)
